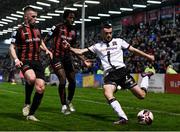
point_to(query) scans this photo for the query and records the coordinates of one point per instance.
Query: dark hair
(67, 12)
(28, 8)
(107, 25)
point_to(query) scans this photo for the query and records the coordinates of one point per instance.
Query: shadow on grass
(100, 117)
(16, 116)
(51, 109)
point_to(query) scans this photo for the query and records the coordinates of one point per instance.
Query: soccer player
(110, 52)
(62, 58)
(25, 50)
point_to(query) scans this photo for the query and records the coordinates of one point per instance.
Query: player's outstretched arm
(137, 51)
(79, 54)
(78, 51)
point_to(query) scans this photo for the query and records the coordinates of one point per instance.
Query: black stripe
(111, 100)
(55, 41)
(63, 32)
(109, 57)
(34, 44)
(27, 43)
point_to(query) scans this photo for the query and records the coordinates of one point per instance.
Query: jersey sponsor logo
(31, 40)
(111, 48)
(108, 49)
(67, 38)
(26, 33)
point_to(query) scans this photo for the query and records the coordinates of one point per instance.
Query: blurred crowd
(160, 39)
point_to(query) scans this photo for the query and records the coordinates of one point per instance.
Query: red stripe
(58, 42)
(30, 46)
(36, 33)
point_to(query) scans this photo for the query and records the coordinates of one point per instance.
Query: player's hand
(49, 53)
(151, 57)
(88, 63)
(18, 63)
(66, 45)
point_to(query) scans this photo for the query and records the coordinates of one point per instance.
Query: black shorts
(120, 77)
(64, 62)
(36, 66)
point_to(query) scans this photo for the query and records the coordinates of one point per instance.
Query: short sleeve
(124, 44)
(15, 37)
(51, 33)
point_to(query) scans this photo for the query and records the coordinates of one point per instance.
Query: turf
(92, 111)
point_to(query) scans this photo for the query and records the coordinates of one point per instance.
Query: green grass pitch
(92, 111)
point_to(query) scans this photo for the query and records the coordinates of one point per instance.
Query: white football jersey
(116, 53)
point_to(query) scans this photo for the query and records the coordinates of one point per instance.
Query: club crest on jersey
(114, 43)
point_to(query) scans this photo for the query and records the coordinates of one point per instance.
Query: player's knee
(108, 95)
(31, 80)
(105, 94)
(40, 87)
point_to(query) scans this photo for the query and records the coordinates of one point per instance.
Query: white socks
(145, 82)
(117, 108)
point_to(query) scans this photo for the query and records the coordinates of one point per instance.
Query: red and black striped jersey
(27, 40)
(59, 33)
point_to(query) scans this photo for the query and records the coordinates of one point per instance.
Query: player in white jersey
(110, 51)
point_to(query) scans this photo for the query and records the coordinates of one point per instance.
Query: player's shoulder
(117, 39)
(18, 30)
(20, 27)
(98, 44)
(59, 24)
(56, 26)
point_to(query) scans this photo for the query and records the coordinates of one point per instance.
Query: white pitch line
(157, 111)
(8, 91)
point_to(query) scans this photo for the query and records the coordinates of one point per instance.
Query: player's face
(70, 18)
(107, 34)
(30, 17)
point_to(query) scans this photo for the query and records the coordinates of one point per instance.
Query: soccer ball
(145, 117)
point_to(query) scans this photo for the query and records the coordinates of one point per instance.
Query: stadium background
(153, 29)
